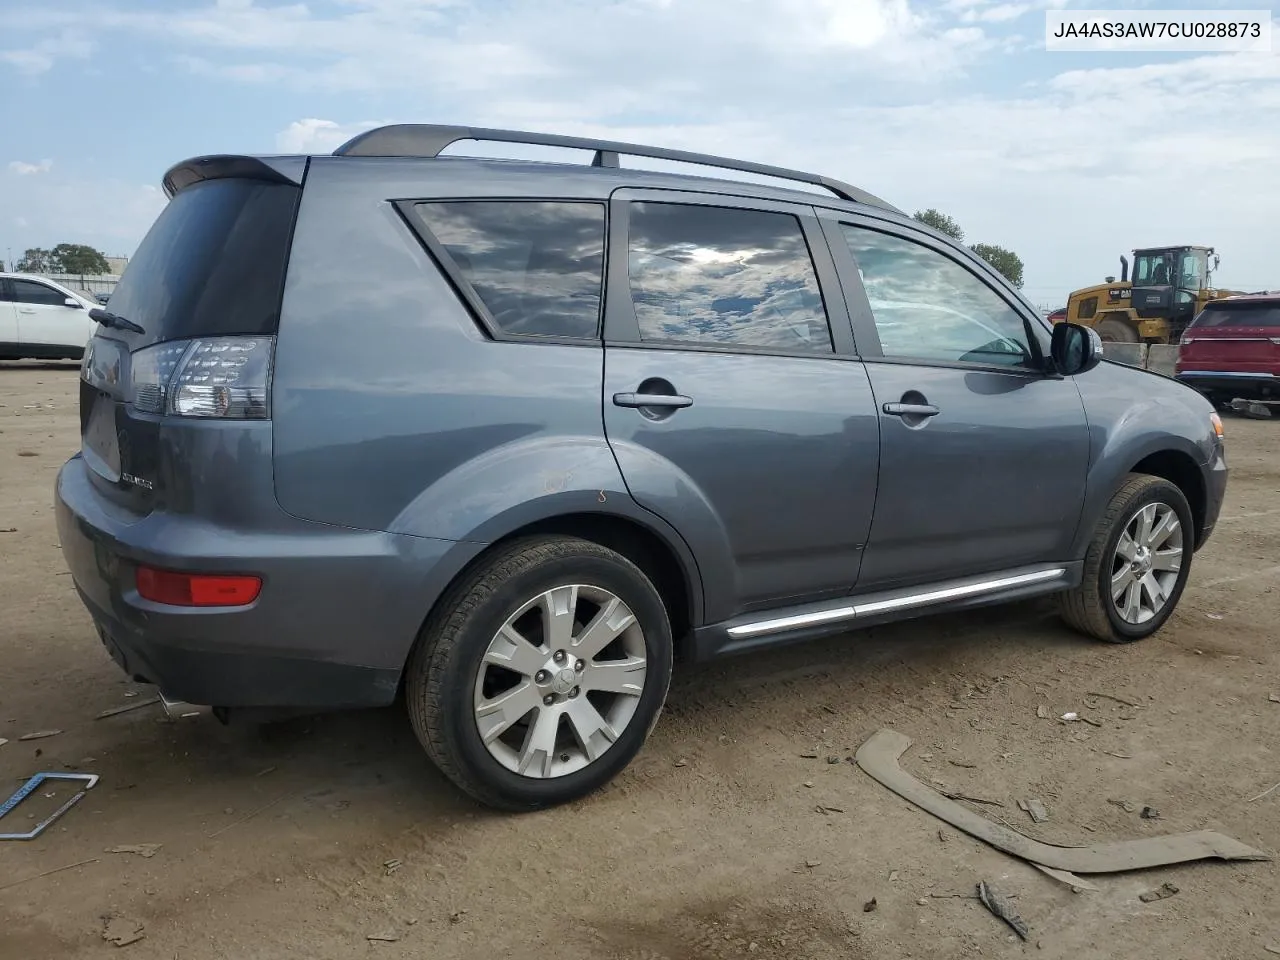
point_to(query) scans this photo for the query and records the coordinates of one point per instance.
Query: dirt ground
(723, 839)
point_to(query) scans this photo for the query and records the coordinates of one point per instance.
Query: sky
(1068, 158)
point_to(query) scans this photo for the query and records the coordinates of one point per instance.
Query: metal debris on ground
(808, 756)
(3, 741)
(1162, 892)
(1063, 876)
(681, 763)
(147, 850)
(113, 711)
(122, 931)
(1034, 809)
(1108, 696)
(1069, 717)
(391, 866)
(40, 735)
(813, 863)
(1090, 722)
(1149, 813)
(944, 836)
(870, 906)
(822, 808)
(1274, 697)
(89, 780)
(879, 756)
(833, 759)
(964, 764)
(1264, 793)
(1128, 806)
(383, 937)
(999, 905)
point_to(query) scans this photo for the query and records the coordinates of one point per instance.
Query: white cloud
(318, 136)
(40, 57)
(24, 169)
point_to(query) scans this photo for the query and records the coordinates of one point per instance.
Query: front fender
(1134, 414)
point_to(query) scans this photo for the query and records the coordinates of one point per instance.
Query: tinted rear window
(213, 263)
(1241, 315)
(536, 265)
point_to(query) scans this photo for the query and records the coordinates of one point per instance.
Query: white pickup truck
(42, 320)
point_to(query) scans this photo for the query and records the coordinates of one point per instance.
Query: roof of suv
(427, 141)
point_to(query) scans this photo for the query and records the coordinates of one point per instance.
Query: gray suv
(505, 439)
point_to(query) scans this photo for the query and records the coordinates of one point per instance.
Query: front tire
(1113, 330)
(541, 674)
(1137, 564)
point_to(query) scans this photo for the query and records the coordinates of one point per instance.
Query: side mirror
(1074, 348)
(72, 302)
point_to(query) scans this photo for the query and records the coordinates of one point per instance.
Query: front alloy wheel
(1146, 562)
(1137, 563)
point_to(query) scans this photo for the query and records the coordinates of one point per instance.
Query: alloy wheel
(1146, 562)
(560, 681)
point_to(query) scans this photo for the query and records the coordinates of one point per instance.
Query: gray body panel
(404, 439)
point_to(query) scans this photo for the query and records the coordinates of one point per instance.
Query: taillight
(196, 590)
(222, 377)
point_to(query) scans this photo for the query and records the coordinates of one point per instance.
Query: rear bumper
(338, 612)
(1232, 384)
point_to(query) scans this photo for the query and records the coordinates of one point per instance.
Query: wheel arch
(1183, 472)
(663, 557)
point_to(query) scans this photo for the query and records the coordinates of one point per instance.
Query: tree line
(76, 258)
(1003, 261)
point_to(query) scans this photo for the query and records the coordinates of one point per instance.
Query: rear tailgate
(212, 266)
(1236, 337)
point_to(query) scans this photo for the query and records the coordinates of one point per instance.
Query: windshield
(1154, 268)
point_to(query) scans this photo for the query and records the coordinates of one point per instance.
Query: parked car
(1232, 349)
(41, 319)
(508, 438)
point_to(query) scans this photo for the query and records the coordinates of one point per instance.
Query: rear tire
(540, 674)
(1128, 591)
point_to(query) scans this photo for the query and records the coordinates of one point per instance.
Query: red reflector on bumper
(196, 590)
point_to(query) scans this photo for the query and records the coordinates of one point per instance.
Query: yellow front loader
(1170, 286)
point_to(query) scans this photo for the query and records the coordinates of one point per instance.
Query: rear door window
(724, 276)
(213, 263)
(536, 266)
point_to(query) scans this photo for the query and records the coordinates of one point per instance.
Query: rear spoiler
(274, 169)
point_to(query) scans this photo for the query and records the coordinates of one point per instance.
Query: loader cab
(1167, 281)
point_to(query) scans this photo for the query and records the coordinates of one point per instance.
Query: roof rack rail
(430, 139)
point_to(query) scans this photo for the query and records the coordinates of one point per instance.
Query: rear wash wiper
(109, 319)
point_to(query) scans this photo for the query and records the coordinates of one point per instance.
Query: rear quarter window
(536, 266)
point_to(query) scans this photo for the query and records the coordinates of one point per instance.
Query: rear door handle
(911, 409)
(651, 400)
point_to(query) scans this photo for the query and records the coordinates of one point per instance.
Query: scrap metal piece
(998, 904)
(878, 758)
(90, 779)
(1070, 879)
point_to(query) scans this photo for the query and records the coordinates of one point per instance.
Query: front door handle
(651, 400)
(911, 409)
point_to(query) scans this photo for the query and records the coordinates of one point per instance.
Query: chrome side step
(893, 602)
